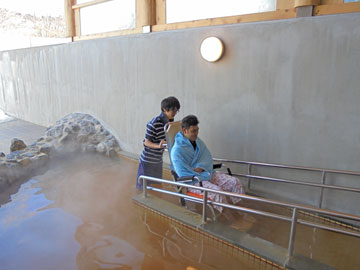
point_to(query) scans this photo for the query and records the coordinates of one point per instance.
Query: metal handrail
(321, 185)
(294, 219)
(297, 182)
(286, 166)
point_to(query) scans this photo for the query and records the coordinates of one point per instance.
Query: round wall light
(211, 49)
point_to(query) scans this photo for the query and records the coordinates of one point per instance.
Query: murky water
(80, 215)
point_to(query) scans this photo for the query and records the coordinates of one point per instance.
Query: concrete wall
(285, 91)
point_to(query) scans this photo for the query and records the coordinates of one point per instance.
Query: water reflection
(29, 235)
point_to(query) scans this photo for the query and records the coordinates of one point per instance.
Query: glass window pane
(31, 23)
(348, 1)
(188, 10)
(106, 17)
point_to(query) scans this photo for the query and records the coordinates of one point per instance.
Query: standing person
(150, 162)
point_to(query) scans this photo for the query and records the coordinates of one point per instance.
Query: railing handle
(204, 207)
(249, 179)
(144, 187)
(292, 234)
(322, 189)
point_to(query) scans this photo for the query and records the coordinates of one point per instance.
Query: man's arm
(152, 145)
(149, 138)
(204, 159)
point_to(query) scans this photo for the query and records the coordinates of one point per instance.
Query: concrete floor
(20, 129)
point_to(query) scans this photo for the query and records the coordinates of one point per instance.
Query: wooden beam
(77, 22)
(69, 18)
(284, 4)
(160, 11)
(304, 3)
(335, 9)
(331, 2)
(264, 16)
(145, 12)
(110, 34)
(90, 3)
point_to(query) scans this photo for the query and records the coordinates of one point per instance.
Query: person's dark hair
(190, 120)
(170, 103)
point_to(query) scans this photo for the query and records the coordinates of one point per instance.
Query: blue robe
(185, 159)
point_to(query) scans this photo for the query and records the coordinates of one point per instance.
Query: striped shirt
(154, 133)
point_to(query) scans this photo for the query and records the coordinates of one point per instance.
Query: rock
(110, 143)
(39, 160)
(13, 156)
(66, 138)
(76, 116)
(74, 133)
(67, 130)
(88, 130)
(74, 127)
(99, 128)
(101, 148)
(85, 123)
(95, 139)
(111, 153)
(82, 138)
(55, 132)
(16, 145)
(34, 146)
(46, 148)
(40, 139)
(25, 161)
(29, 154)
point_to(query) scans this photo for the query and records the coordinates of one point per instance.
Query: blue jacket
(185, 159)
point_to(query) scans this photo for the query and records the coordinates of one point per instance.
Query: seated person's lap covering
(185, 159)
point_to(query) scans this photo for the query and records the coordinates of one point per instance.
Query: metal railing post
(292, 233)
(322, 189)
(249, 179)
(144, 187)
(204, 207)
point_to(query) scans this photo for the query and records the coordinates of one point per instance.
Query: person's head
(170, 106)
(189, 127)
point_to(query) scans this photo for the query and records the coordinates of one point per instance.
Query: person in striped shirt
(150, 162)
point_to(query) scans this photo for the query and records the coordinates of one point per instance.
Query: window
(188, 10)
(31, 23)
(109, 16)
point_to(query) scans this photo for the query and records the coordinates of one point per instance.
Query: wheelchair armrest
(219, 165)
(185, 179)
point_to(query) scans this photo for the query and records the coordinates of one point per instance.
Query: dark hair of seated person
(188, 121)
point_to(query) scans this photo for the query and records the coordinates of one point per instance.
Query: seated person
(190, 156)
